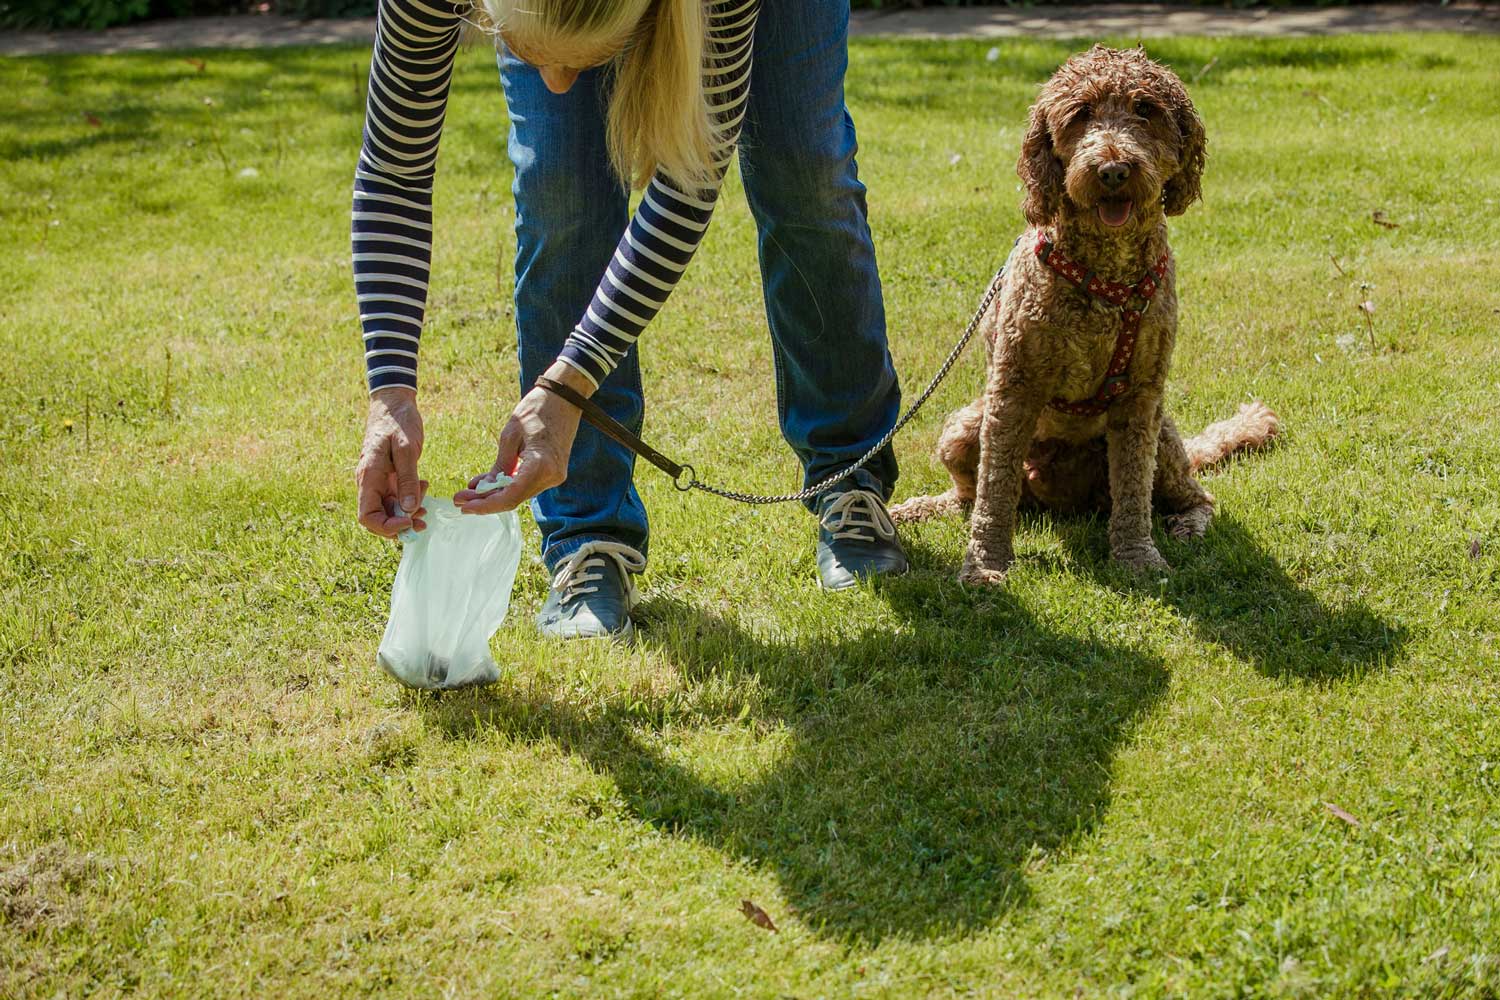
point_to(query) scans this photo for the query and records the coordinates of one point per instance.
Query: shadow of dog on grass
(1234, 593)
(926, 769)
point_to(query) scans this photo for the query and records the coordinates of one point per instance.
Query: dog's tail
(1254, 427)
(921, 508)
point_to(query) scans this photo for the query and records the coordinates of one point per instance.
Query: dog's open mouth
(1115, 211)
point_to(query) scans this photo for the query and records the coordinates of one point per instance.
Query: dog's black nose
(1114, 173)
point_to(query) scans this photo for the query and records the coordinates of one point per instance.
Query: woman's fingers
(512, 440)
(533, 450)
(376, 513)
(500, 501)
(387, 468)
(506, 462)
(386, 519)
(533, 475)
(464, 496)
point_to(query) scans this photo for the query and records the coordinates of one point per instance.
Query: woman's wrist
(392, 395)
(561, 371)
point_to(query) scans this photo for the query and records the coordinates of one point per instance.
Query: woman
(604, 94)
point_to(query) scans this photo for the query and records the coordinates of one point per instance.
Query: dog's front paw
(1142, 558)
(1191, 523)
(974, 576)
(983, 572)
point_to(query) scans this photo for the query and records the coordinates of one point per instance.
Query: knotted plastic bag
(451, 593)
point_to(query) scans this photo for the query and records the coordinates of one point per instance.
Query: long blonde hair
(658, 117)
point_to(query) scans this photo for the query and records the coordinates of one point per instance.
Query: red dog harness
(1114, 294)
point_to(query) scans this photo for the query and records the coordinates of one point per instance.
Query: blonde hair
(658, 117)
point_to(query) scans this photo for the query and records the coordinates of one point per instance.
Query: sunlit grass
(1080, 783)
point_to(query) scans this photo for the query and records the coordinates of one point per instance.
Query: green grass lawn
(1081, 785)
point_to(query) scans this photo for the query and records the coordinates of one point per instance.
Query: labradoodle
(1081, 335)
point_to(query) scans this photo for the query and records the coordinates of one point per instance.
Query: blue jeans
(836, 386)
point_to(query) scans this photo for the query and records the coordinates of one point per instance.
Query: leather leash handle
(617, 431)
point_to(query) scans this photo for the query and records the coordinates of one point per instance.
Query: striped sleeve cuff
(576, 355)
(386, 376)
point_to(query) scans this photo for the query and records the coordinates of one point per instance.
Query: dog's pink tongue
(1115, 213)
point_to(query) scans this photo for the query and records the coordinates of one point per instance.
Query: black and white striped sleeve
(410, 70)
(669, 223)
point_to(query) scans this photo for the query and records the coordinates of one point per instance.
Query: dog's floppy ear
(1184, 187)
(1039, 171)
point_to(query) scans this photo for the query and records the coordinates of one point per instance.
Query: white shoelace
(857, 512)
(581, 571)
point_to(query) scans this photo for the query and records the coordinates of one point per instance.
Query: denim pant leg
(570, 212)
(836, 384)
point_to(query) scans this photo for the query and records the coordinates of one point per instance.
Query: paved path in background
(1116, 20)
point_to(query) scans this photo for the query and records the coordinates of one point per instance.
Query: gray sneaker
(856, 539)
(593, 593)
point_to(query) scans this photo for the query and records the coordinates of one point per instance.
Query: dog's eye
(1145, 109)
(1080, 116)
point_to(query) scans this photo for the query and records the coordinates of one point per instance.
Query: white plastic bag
(451, 593)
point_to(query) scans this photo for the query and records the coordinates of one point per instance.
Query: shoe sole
(854, 585)
(626, 634)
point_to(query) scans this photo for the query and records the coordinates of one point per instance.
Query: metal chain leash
(689, 480)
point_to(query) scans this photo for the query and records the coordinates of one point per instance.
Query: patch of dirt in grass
(43, 889)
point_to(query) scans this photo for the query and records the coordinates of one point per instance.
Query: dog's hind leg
(922, 508)
(958, 447)
(1190, 507)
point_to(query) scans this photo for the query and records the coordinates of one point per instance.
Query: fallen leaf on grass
(197, 64)
(1378, 217)
(1341, 814)
(92, 119)
(1476, 547)
(1436, 956)
(757, 916)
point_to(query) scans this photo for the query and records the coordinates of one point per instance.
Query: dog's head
(1113, 140)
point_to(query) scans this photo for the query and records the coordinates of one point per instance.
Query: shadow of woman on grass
(924, 768)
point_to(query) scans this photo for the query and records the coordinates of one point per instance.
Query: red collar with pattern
(1114, 294)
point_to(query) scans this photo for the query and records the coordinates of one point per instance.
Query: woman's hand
(534, 446)
(390, 492)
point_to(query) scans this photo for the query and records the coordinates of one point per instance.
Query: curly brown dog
(1081, 336)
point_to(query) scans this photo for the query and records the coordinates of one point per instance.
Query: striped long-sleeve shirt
(415, 46)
